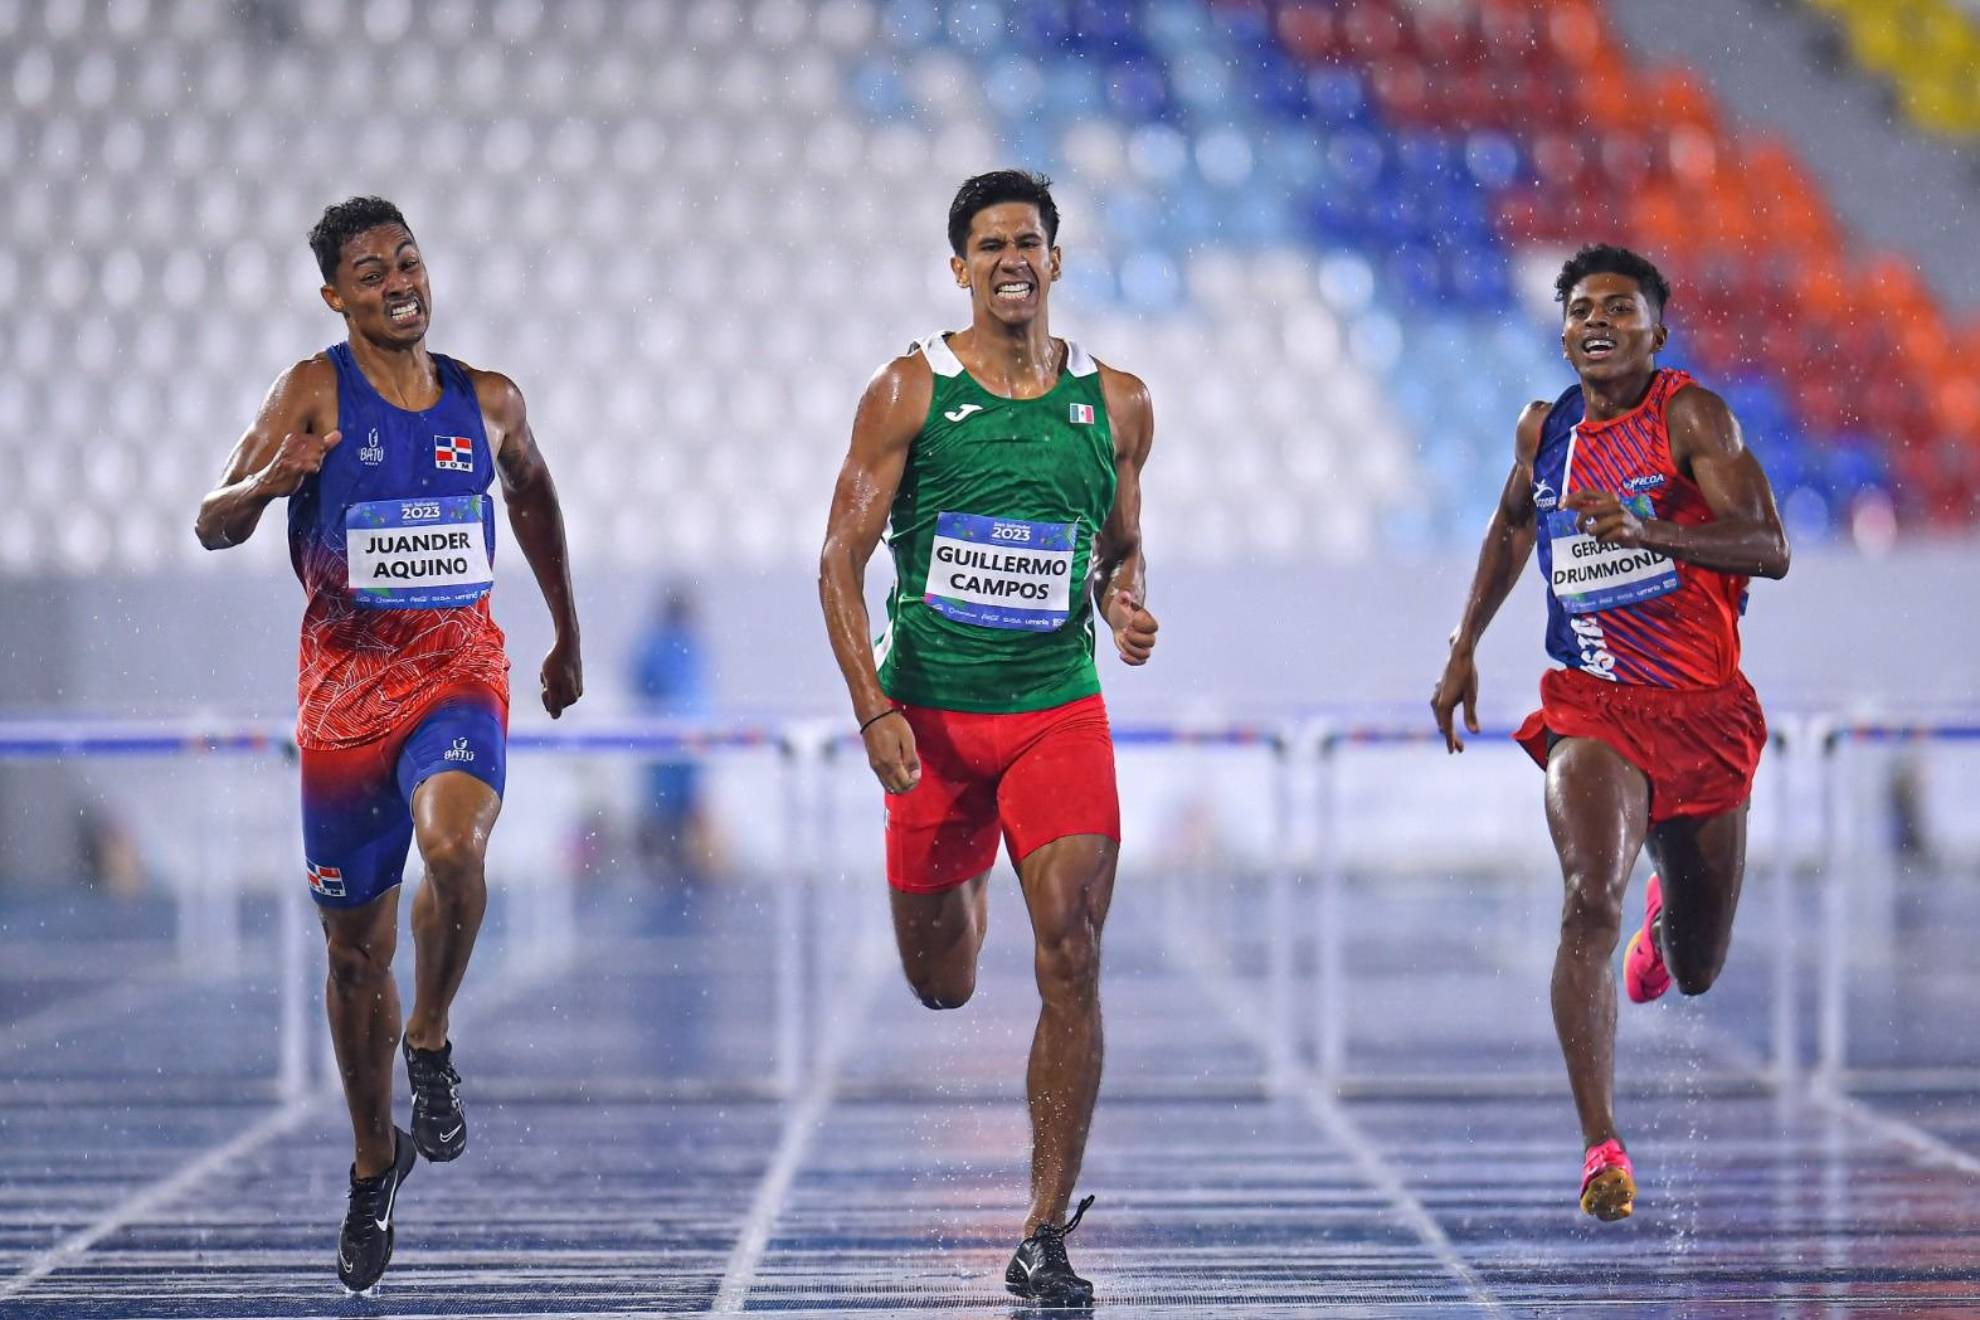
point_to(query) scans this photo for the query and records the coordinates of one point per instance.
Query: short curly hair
(1608, 259)
(343, 222)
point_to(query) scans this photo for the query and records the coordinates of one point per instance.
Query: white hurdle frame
(1330, 1062)
(59, 740)
(1831, 740)
(1307, 1024)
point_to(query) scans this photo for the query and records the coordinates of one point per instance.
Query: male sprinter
(386, 452)
(1009, 464)
(1651, 514)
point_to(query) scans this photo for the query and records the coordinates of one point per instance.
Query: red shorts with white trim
(1029, 778)
(1698, 747)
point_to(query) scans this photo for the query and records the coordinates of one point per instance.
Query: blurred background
(1324, 231)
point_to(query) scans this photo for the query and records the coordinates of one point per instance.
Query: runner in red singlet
(1650, 514)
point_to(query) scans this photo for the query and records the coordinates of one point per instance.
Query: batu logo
(373, 453)
(419, 510)
(1544, 496)
(459, 751)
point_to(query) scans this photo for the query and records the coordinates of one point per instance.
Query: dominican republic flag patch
(1082, 414)
(455, 453)
(326, 880)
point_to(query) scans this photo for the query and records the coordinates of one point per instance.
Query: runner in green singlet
(1005, 466)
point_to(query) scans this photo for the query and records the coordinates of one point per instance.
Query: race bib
(1589, 575)
(418, 554)
(1001, 572)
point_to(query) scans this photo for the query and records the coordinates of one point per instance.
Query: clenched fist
(1134, 629)
(300, 455)
(890, 750)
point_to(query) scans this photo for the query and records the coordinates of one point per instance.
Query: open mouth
(1014, 290)
(1597, 347)
(404, 313)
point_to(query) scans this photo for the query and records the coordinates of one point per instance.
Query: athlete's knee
(453, 857)
(1694, 975)
(1693, 982)
(358, 965)
(1591, 911)
(940, 988)
(1068, 961)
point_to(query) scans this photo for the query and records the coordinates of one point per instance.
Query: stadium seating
(1322, 231)
(1928, 50)
(1845, 356)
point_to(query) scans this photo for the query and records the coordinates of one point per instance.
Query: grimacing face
(1007, 262)
(1609, 330)
(381, 286)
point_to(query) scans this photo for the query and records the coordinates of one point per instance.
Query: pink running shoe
(1608, 1183)
(1644, 975)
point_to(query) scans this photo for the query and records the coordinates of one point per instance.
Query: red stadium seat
(1402, 89)
(1626, 159)
(1310, 31)
(1448, 40)
(1373, 31)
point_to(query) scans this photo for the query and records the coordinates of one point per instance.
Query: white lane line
(160, 1192)
(147, 1199)
(801, 1128)
(1343, 1130)
(1369, 1160)
(1898, 1131)
(66, 1014)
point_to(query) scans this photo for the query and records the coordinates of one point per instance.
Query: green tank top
(992, 536)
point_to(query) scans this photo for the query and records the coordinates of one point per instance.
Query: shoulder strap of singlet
(453, 374)
(1669, 381)
(1557, 416)
(348, 374)
(942, 359)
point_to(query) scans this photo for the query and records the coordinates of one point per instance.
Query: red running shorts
(1699, 747)
(1031, 777)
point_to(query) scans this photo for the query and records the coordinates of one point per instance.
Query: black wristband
(891, 710)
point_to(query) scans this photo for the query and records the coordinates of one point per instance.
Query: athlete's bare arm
(538, 523)
(1745, 534)
(890, 415)
(295, 428)
(1501, 559)
(1120, 575)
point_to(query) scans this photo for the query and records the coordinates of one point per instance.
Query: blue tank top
(435, 463)
(394, 542)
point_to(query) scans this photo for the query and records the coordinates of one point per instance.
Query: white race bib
(1590, 575)
(1001, 572)
(418, 554)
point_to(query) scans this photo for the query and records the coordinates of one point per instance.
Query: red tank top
(1688, 636)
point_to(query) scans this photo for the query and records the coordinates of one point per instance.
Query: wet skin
(381, 290)
(1597, 803)
(1008, 266)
